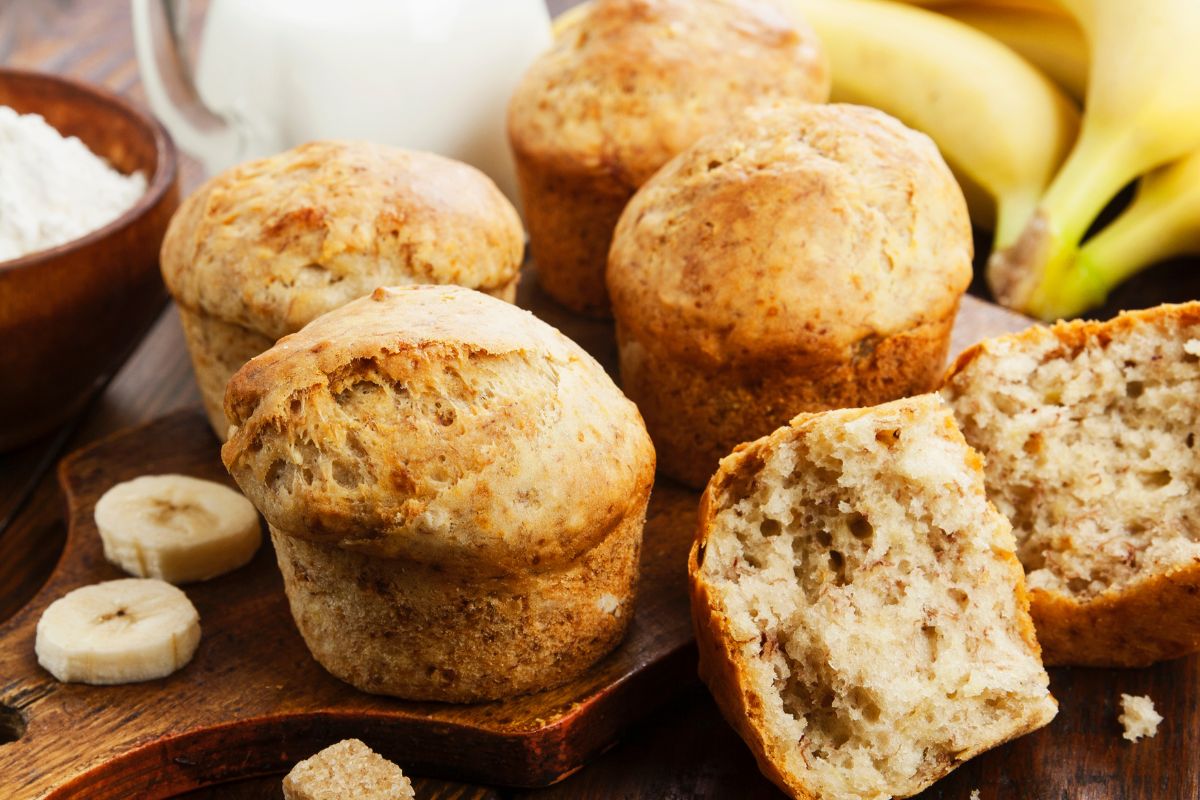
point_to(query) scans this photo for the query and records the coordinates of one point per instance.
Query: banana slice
(176, 528)
(123, 631)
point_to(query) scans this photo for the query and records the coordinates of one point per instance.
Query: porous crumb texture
(1089, 433)
(348, 770)
(1138, 717)
(861, 614)
(624, 88)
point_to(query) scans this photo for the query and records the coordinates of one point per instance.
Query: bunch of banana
(1003, 127)
(1142, 111)
(1001, 124)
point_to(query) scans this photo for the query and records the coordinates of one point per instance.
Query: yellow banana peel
(1142, 111)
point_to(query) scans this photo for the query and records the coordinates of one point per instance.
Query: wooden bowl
(71, 314)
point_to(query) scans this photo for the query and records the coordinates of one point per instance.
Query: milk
(424, 74)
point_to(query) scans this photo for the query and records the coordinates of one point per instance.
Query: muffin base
(410, 630)
(697, 415)
(571, 218)
(219, 349)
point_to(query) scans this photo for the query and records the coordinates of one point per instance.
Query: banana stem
(1013, 213)
(1162, 221)
(1096, 170)
(1132, 243)
(1078, 289)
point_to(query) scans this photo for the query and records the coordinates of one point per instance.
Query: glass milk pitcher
(270, 74)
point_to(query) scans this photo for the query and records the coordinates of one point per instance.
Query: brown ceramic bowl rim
(165, 167)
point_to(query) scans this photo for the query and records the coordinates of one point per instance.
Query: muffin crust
(625, 86)
(430, 449)
(263, 248)
(806, 258)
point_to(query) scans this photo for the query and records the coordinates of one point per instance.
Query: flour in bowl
(54, 189)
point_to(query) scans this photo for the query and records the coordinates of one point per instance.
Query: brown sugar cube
(348, 769)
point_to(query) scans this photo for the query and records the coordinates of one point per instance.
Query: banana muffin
(263, 248)
(802, 259)
(626, 85)
(456, 493)
(1089, 433)
(861, 617)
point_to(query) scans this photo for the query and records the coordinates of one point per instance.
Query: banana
(1046, 38)
(999, 122)
(1162, 221)
(1141, 112)
(176, 528)
(1023, 5)
(123, 631)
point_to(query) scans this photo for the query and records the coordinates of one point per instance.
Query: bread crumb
(608, 603)
(1139, 717)
(343, 770)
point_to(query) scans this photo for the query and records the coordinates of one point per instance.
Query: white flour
(53, 190)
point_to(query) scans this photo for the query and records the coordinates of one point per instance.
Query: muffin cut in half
(456, 493)
(861, 616)
(1089, 431)
(803, 258)
(262, 249)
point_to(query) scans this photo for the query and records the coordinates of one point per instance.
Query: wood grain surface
(683, 751)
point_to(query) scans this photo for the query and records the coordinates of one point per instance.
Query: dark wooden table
(684, 751)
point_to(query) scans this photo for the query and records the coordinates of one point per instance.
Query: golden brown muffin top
(795, 233)
(273, 243)
(437, 424)
(629, 83)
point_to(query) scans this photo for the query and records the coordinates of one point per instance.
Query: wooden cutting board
(253, 701)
